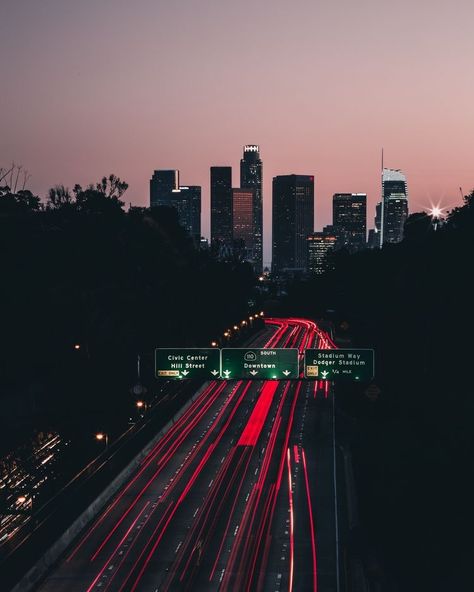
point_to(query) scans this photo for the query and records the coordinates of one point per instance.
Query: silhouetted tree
(59, 197)
(418, 227)
(413, 447)
(83, 271)
(103, 197)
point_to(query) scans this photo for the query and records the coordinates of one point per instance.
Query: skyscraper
(349, 215)
(187, 201)
(251, 169)
(243, 223)
(293, 221)
(394, 205)
(221, 205)
(162, 184)
(320, 248)
(166, 191)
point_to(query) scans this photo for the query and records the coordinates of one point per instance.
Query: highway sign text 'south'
(268, 364)
(187, 363)
(339, 364)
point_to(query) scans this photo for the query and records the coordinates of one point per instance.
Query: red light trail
(205, 500)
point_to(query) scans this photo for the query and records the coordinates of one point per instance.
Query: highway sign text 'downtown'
(339, 364)
(267, 364)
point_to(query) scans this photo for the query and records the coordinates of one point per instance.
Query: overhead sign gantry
(187, 363)
(339, 364)
(264, 363)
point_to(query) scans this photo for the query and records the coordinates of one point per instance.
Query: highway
(224, 501)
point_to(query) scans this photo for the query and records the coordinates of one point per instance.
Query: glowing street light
(102, 436)
(21, 499)
(141, 407)
(236, 328)
(214, 343)
(77, 346)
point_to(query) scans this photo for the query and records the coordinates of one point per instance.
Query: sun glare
(436, 212)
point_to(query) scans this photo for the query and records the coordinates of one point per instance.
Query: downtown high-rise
(187, 202)
(349, 220)
(393, 206)
(165, 190)
(243, 223)
(251, 176)
(320, 248)
(162, 185)
(221, 207)
(293, 222)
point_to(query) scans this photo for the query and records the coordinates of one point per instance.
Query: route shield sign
(259, 364)
(339, 364)
(187, 363)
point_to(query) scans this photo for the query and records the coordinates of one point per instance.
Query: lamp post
(102, 436)
(141, 407)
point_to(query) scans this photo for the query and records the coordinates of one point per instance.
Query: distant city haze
(112, 86)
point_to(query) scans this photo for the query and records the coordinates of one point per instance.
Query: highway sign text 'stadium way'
(187, 363)
(339, 364)
(279, 364)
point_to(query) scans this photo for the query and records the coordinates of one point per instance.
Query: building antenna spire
(382, 207)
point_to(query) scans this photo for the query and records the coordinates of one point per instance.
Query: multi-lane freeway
(228, 499)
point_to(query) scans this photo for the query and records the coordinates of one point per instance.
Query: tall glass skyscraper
(251, 175)
(320, 247)
(243, 223)
(162, 184)
(349, 220)
(293, 222)
(394, 205)
(166, 191)
(221, 206)
(187, 201)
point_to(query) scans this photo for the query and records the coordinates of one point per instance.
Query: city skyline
(323, 206)
(77, 110)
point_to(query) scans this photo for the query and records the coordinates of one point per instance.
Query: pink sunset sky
(101, 86)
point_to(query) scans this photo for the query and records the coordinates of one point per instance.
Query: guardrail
(52, 520)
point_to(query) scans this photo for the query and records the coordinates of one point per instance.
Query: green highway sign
(187, 363)
(259, 364)
(339, 364)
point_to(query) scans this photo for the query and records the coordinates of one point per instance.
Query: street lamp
(101, 436)
(214, 344)
(141, 406)
(77, 346)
